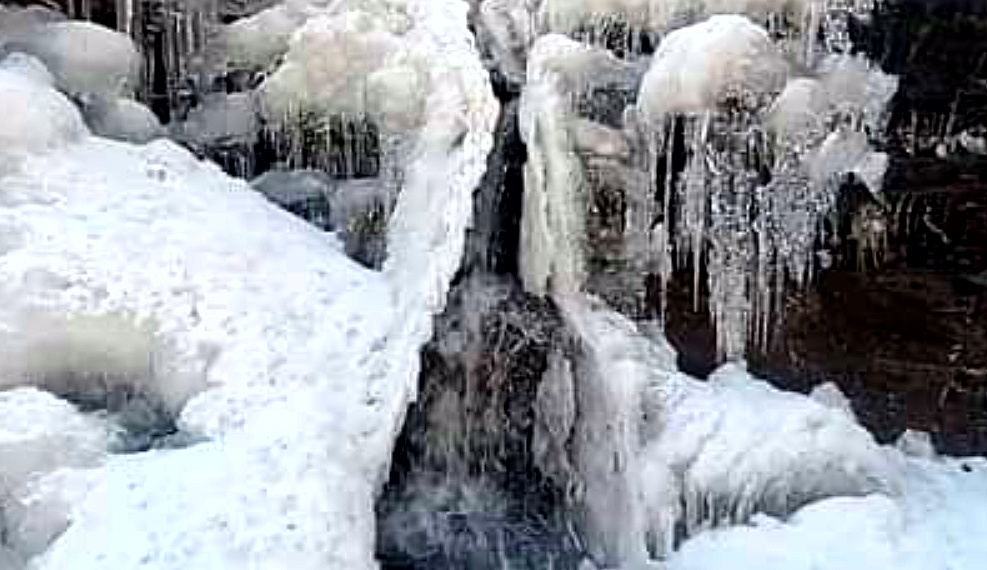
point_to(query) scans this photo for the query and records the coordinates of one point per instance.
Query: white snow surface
(293, 361)
(35, 118)
(697, 67)
(937, 522)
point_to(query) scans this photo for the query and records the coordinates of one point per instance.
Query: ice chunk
(36, 117)
(284, 187)
(85, 57)
(121, 119)
(701, 67)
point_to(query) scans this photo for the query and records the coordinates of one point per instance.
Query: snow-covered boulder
(84, 57)
(698, 68)
(383, 75)
(36, 118)
(122, 119)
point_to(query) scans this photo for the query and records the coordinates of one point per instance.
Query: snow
(383, 75)
(36, 118)
(84, 57)
(293, 364)
(658, 452)
(121, 119)
(696, 68)
(936, 523)
(29, 66)
(39, 432)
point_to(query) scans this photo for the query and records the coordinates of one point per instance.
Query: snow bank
(36, 118)
(84, 57)
(701, 67)
(936, 523)
(122, 119)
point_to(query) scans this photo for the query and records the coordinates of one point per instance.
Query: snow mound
(937, 522)
(741, 446)
(257, 41)
(381, 77)
(40, 432)
(122, 119)
(726, 59)
(84, 57)
(29, 66)
(36, 118)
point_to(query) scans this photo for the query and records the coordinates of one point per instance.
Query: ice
(84, 57)
(37, 117)
(696, 68)
(663, 15)
(830, 395)
(257, 41)
(121, 119)
(936, 522)
(285, 343)
(659, 456)
(552, 227)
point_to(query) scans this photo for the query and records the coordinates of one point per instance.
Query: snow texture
(292, 362)
(937, 522)
(699, 67)
(83, 57)
(37, 118)
(383, 75)
(657, 450)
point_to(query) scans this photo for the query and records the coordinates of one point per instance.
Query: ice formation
(701, 67)
(930, 526)
(267, 340)
(661, 456)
